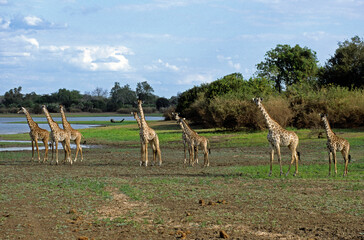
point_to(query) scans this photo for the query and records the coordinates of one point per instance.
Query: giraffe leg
(330, 157)
(37, 147)
(78, 147)
(278, 149)
(56, 142)
(52, 149)
(154, 150)
(32, 151)
(191, 150)
(206, 156)
(142, 152)
(196, 154)
(65, 151)
(158, 150)
(345, 154)
(294, 158)
(69, 157)
(45, 142)
(184, 148)
(271, 160)
(146, 154)
(334, 157)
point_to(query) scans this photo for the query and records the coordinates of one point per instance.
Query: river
(11, 125)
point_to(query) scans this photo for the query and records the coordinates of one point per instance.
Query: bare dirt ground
(108, 196)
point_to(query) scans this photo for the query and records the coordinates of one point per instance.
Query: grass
(238, 174)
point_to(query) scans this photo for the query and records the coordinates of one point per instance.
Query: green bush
(226, 103)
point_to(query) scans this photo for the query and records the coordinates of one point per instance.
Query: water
(10, 125)
(40, 145)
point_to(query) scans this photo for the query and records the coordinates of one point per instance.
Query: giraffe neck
(329, 132)
(31, 123)
(65, 123)
(269, 121)
(187, 128)
(137, 119)
(52, 124)
(143, 123)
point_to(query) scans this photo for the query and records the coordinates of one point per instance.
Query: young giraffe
(148, 135)
(186, 140)
(58, 134)
(75, 135)
(335, 143)
(135, 114)
(197, 141)
(277, 137)
(36, 133)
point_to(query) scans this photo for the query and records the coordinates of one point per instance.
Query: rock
(223, 234)
(221, 201)
(82, 238)
(201, 202)
(72, 211)
(181, 235)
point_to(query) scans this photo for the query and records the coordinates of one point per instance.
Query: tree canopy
(287, 65)
(346, 67)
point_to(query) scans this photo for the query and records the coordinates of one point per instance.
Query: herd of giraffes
(57, 134)
(277, 137)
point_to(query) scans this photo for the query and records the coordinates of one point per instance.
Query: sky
(46, 45)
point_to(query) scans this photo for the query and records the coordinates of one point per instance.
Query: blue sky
(46, 45)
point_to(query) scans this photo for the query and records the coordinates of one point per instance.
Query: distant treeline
(119, 99)
(294, 87)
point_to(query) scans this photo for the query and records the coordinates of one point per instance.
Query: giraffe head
(22, 110)
(323, 116)
(140, 102)
(176, 116)
(135, 114)
(257, 101)
(61, 107)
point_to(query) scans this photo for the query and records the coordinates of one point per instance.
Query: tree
(288, 65)
(67, 97)
(162, 103)
(346, 67)
(99, 93)
(144, 91)
(13, 97)
(121, 96)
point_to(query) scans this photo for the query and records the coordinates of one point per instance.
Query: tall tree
(121, 96)
(346, 67)
(288, 65)
(13, 97)
(144, 91)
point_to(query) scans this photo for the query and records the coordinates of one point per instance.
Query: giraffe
(36, 133)
(148, 135)
(335, 143)
(135, 114)
(75, 135)
(277, 137)
(58, 134)
(186, 140)
(196, 141)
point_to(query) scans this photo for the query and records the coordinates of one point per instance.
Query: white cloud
(160, 65)
(195, 79)
(316, 36)
(33, 42)
(100, 58)
(33, 20)
(4, 24)
(230, 62)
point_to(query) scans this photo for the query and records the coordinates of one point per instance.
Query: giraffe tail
(349, 157)
(299, 156)
(208, 142)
